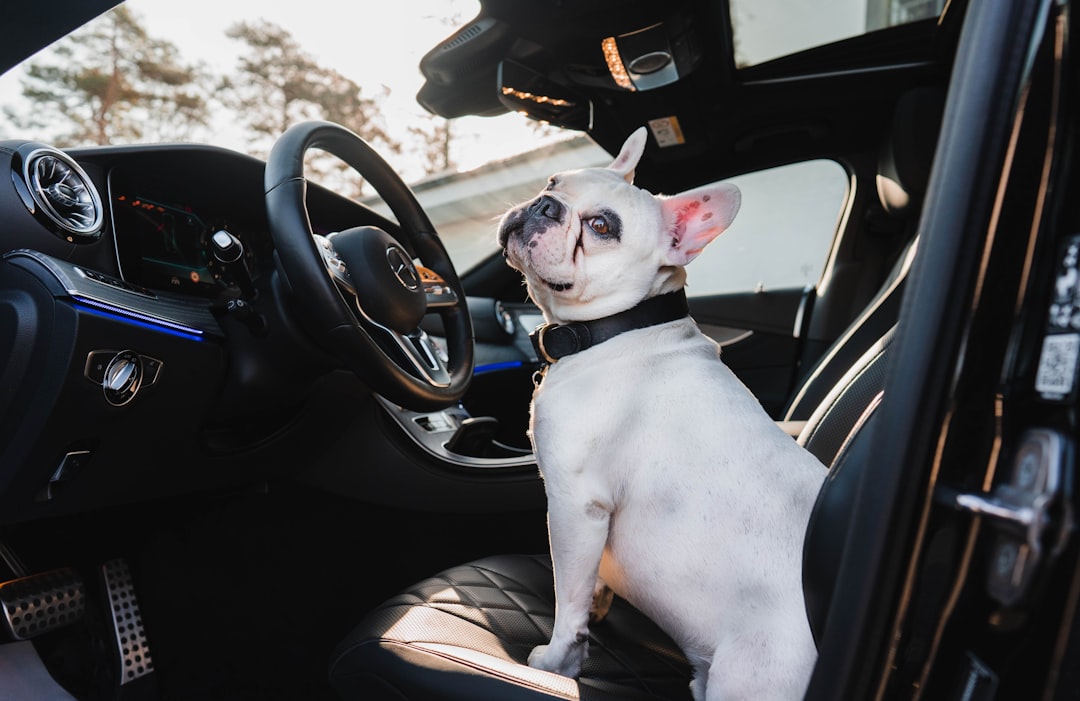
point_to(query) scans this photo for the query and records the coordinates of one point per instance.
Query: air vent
(63, 195)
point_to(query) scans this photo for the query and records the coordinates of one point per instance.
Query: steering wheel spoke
(335, 267)
(438, 293)
(426, 358)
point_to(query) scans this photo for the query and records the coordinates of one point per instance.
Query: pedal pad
(127, 621)
(42, 602)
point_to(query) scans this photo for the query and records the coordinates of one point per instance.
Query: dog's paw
(569, 665)
(601, 602)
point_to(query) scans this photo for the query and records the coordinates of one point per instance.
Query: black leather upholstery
(832, 422)
(867, 329)
(905, 159)
(832, 434)
(466, 633)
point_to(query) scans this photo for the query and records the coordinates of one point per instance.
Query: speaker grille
(64, 194)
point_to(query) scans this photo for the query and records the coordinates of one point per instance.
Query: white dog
(663, 474)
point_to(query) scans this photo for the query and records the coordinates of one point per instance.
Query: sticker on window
(1055, 378)
(1057, 366)
(667, 131)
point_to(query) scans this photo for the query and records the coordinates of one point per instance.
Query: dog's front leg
(578, 530)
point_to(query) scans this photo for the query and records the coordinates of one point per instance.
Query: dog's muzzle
(547, 207)
(531, 219)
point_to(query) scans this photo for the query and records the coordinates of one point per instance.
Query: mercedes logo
(402, 267)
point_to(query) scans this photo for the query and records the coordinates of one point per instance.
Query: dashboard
(128, 373)
(118, 355)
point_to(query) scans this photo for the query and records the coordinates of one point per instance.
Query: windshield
(237, 74)
(766, 29)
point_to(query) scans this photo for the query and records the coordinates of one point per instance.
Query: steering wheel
(359, 289)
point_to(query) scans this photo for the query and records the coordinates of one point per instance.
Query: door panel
(761, 338)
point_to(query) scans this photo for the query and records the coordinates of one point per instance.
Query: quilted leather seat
(466, 633)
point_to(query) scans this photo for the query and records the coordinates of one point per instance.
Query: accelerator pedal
(131, 641)
(41, 603)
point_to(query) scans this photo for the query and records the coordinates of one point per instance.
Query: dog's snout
(548, 208)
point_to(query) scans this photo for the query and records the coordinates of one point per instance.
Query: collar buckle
(537, 338)
(554, 341)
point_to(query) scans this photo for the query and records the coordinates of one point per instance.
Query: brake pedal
(42, 602)
(131, 640)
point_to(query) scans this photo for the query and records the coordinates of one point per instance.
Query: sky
(376, 44)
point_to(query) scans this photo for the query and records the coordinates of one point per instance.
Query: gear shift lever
(474, 436)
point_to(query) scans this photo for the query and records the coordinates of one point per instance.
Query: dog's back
(710, 499)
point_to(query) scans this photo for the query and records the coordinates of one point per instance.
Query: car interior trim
(108, 311)
(821, 75)
(432, 431)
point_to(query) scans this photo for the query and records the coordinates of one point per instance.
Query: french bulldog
(665, 479)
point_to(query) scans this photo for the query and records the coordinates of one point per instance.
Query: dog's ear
(628, 157)
(696, 217)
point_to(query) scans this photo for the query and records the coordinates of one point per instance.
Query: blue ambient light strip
(145, 321)
(494, 367)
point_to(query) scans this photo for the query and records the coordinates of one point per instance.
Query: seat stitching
(498, 630)
(624, 672)
(841, 395)
(621, 661)
(526, 590)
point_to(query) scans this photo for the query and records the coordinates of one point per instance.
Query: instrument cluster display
(164, 242)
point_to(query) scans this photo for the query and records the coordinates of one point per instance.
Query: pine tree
(111, 82)
(434, 145)
(278, 84)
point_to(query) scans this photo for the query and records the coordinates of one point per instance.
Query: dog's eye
(599, 225)
(605, 225)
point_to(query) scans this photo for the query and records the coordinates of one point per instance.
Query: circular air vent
(64, 194)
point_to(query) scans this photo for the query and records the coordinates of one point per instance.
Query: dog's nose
(548, 208)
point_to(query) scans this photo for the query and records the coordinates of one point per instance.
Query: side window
(782, 234)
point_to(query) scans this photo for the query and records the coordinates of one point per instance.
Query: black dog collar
(554, 341)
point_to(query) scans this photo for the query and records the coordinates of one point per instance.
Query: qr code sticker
(1057, 365)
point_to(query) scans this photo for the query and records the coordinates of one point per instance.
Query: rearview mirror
(525, 91)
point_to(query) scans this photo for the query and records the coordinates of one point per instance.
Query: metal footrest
(42, 602)
(135, 660)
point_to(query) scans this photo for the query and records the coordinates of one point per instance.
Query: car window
(782, 234)
(766, 29)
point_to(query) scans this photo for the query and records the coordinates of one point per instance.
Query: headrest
(904, 165)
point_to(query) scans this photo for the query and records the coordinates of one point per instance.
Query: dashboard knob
(229, 251)
(227, 248)
(123, 377)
